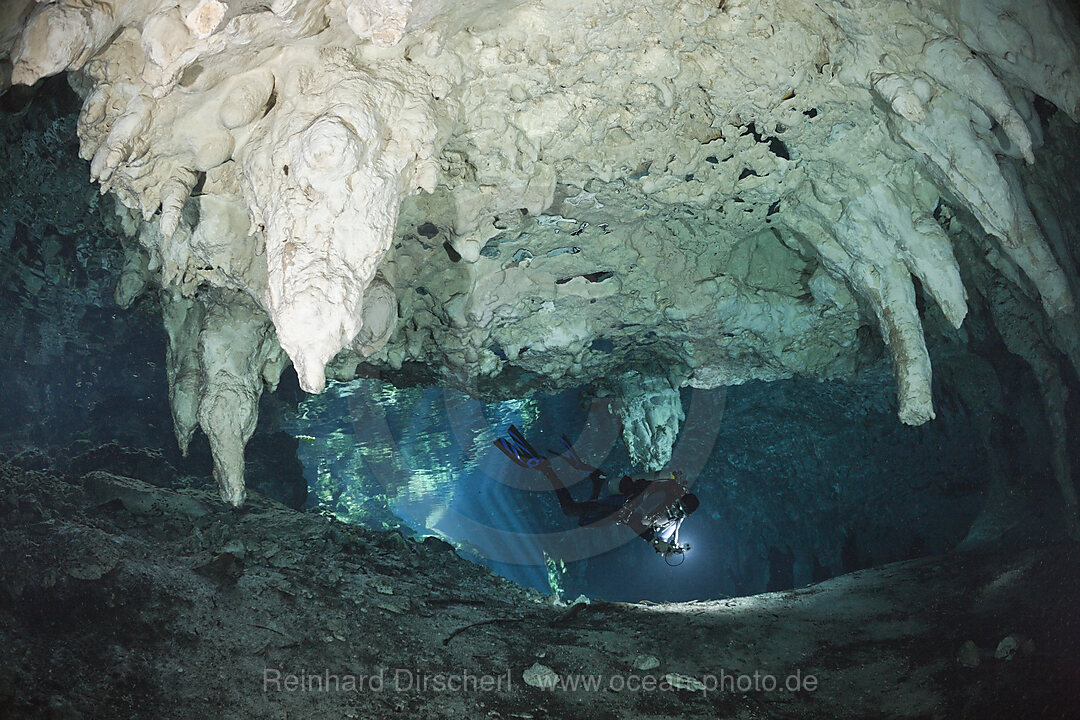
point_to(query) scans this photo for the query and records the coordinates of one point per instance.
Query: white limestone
(650, 411)
(696, 192)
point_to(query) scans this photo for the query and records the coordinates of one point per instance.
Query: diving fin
(571, 456)
(518, 449)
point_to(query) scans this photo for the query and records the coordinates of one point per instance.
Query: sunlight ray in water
(423, 460)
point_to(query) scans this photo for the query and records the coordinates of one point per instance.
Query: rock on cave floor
(121, 599)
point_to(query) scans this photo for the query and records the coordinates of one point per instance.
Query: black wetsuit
(642, 505)
(648, 498)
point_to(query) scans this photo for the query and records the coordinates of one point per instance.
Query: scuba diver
(653, 507)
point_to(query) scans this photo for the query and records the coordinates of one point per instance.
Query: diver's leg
(630, 486)
(566, 501)
(570, 506)
(598, 513)
(570, 455)
(599, 480)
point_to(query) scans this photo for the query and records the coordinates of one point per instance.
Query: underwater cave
(504, 359)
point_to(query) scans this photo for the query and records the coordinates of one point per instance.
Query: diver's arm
(643, 531)
(667, 544)
(549, 472)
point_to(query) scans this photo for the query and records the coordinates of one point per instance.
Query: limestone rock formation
(88, 560)
(693, 193)
(650, 411)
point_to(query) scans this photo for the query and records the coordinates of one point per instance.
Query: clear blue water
(430, 452)
(798, 480)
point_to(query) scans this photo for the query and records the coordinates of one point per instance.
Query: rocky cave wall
(116, 596)
(807, 479)
(505, 197)
(84, 383)
(799, 480)
(61, 329)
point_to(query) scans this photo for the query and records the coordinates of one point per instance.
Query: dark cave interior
(801, 480)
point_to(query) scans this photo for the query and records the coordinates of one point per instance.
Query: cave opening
(252, 373)
(799, 481)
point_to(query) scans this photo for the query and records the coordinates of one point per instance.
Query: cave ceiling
(507, 197)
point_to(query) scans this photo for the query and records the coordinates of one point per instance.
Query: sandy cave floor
(121, 599)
